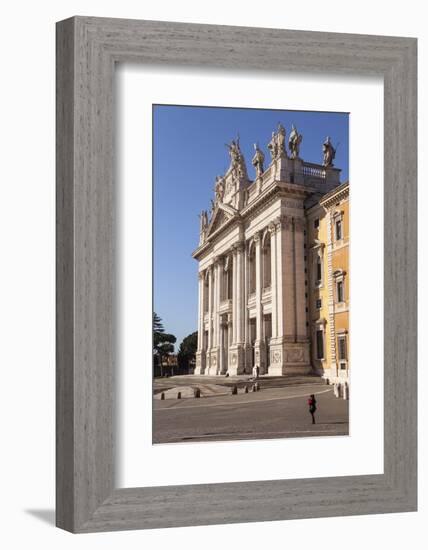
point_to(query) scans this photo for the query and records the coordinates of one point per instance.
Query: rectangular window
(316, 223)
(339, 290)
(320, 344)
(338, 230)
(318, 304)
(341, 343)
(319, 270)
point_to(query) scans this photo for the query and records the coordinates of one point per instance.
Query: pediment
(222, 214)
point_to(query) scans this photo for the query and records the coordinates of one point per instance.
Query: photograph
(251, 280)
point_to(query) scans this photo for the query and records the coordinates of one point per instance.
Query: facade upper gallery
(273, 266)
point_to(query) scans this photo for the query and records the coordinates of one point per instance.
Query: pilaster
(286, 279)
(330, 287)
(274, 290)
(300, 278)
(289, 346)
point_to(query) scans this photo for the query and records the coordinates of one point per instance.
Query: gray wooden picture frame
(87, 50)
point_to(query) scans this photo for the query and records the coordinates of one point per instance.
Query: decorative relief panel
(295, 355)
(276, 357)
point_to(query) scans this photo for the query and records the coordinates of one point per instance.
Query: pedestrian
(312, 402)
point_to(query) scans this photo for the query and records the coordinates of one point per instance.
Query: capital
(238, 247)
(272, 227)
(257, 236)
(217, 260)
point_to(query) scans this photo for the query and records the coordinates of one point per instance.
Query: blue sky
(188, 152)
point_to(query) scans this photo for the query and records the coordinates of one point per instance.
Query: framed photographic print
(236, 274)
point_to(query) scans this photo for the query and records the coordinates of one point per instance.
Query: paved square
(278, 410)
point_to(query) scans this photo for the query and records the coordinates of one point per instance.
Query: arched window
(252, 269)
(267, 261)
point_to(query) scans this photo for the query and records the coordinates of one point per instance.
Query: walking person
(312, 402)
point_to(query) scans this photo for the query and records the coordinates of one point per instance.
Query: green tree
(157, 323)
(163, 343)
(187, 351)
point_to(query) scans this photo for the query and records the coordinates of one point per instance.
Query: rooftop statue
(276, 145)
(258, 160)
(237, 161)
(281, 139)
(294, 142)
(203, 216)
(329, 152)
(219, 189)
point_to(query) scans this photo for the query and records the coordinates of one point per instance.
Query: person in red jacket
(312, 402)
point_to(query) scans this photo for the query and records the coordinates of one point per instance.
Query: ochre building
(273, 266)
(329, 282)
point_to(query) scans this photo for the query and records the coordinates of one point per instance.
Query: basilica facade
(259, 259)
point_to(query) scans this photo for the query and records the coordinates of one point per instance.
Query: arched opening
(267, 261)
(252, 269)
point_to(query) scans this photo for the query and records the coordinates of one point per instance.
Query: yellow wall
(339, 250)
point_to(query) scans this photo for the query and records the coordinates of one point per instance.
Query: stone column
(200, 354)
(222, 368)
(259, 343)
(236, 355)
(258, 257)
(234, 294)
(210, 314)
(248, 349)
(240, 300)
(200, 310)
(215, 351)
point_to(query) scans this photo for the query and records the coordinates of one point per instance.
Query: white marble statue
(329, 152)
(258, 160)
(294, 142)
(276, 145)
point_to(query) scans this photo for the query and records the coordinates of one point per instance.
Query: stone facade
(254, 266)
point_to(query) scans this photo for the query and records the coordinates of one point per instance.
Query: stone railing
(313, 171)
(267, 174)
(251, 192)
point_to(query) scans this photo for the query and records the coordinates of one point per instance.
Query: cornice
(276, 188)
(338, 193)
